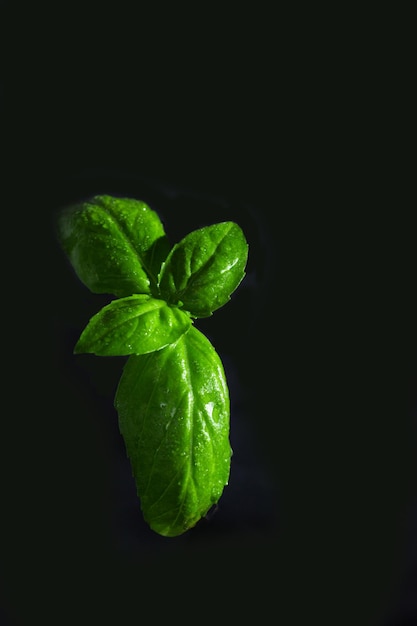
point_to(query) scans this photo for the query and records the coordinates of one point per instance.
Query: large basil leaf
(115, 245)
(204, 268)
(133, 325)
(173, 408)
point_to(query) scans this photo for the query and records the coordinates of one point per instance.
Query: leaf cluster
(118, 246)
(172, 399)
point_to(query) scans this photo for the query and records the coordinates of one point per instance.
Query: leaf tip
(79, 348)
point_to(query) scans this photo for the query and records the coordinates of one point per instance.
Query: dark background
(209, 117)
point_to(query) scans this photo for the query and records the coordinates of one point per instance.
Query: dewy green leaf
(172, 399)
(204, 268)
(115, 245)
(173, 408)
(136, 324)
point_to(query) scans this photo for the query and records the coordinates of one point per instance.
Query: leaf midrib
(127, 236)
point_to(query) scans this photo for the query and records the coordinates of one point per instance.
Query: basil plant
(172, 400)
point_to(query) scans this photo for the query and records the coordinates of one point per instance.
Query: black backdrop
(318, 342)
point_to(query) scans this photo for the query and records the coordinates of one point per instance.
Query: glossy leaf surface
(137, 324)
(115, 245)
(204, 268)
(173, 408)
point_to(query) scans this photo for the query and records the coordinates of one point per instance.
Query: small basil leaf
(173, 408)
(133, 325)
(204, 268)
(115, 245)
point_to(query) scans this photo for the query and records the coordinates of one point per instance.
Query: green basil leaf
(136, 324)
(115, 245)
(204, 268)
(173, 408)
